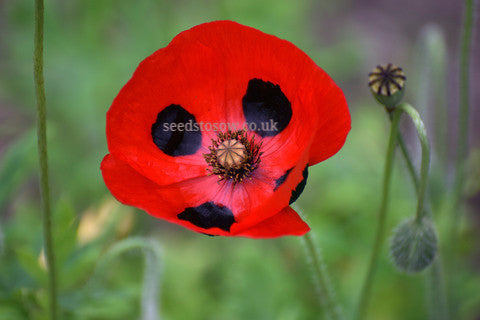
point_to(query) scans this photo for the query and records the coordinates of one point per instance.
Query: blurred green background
(93, 47)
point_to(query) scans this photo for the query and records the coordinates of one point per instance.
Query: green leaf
(31, 264)
(65, 231)
(18, 163)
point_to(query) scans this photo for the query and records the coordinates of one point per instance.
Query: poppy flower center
(233, 156)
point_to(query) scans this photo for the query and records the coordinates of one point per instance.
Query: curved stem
(425, 164)
(327, 296)
(43, 156)
(435, 280)
(380, 232)
(152, 274)
(408, 160)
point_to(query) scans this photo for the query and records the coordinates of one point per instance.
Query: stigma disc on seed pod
(387, 83)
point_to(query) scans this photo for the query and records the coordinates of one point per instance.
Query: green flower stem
(409, 162)
(150, 309)
(432, 85)
(403, 148)
(436, 284)
(436, 53)
(438, 308)
(425, 164)
(43, 158)
(462, 149)
(462, 139)
(380, 232)
(327, 295)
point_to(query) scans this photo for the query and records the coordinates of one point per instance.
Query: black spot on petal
(282, 179)
(299, 188)
(209, 215)
(267, 110)
(175, 131)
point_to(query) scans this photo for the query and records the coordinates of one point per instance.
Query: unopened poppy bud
(414, 245)
(387, 84)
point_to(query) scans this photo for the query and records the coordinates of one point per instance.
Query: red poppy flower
(176, 140)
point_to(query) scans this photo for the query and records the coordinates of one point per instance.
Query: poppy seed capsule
(387, 84)
(231, 154)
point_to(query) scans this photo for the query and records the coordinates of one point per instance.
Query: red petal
(250, 205)
(247, 53)
(333, 125)
(250, 201)
(131, 188)
(275, 201)
(318, 105)
(206, 70)
(184, 73)
(285, 223)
